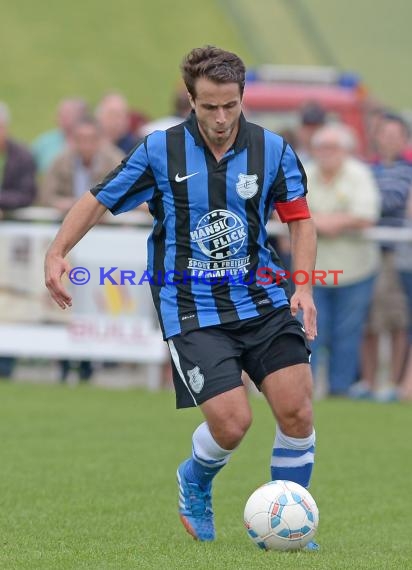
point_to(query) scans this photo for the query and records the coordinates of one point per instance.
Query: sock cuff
(205, 446)
(283, 440)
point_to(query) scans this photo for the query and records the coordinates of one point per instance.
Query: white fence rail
(107, 322)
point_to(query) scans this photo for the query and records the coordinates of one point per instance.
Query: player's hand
(303, 299)
(55, 267)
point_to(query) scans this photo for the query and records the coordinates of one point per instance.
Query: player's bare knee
(231, 438)
(244, 424)
(231, 432)
(297, 421)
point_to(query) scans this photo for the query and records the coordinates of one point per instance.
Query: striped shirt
(209, 237)
(395, 183)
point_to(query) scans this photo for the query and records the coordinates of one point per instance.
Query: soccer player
(211, 184)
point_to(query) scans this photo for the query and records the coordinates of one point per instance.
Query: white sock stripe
(176, 361)
(293, 461)
(287, 442)
(211, 464)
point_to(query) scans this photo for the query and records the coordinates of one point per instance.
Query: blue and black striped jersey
(209, 237)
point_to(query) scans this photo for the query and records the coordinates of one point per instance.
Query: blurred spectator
(7, 366)
(17, 169)
(181, 109)
(312, 118)
(388, 311)
(290, 137)
(137, 119)
(49, 145)
(84, 369)
(82, 165)
(403, 264)
(375, 117)
(17, 189)
(85, 163)
(343, 198)
(405, 385)
(113, 116)
(281, 244)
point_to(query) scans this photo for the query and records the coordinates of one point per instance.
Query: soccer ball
(281, 515)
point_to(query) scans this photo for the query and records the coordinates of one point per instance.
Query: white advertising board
(107, 321)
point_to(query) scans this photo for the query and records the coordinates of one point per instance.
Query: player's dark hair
(214, 64)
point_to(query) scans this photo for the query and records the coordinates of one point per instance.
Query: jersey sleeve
(128, 185)
(290, 188)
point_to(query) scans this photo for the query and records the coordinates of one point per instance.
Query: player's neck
(219, 151)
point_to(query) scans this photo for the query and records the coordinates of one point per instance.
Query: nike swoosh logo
(181, 178)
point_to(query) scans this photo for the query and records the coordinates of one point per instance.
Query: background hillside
(52, 49)
(369, 36)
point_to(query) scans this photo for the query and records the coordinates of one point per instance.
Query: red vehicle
(275, 95)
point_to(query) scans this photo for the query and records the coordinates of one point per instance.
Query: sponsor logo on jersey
(219, 234)
(183, 178)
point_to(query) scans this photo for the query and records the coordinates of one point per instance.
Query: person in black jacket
(17, 189)
(17, 170)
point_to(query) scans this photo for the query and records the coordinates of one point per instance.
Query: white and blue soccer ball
(281, 515)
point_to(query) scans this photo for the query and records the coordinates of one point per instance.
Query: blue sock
(207, 459)
(292, 458)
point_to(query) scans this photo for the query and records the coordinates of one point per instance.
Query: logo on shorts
(247, 185)
(196, 379)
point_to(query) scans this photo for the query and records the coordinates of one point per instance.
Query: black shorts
(209, 361)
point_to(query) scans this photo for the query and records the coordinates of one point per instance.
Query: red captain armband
(293, 210)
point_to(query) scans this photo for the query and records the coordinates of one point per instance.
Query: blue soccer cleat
(311, 545)
(195, 507)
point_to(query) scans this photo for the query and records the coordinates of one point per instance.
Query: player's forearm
(85, 213)
(303, 247)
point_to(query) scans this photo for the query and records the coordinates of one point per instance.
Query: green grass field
(87, 480)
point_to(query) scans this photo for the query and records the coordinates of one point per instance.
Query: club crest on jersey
(247, 185)
(196, 379)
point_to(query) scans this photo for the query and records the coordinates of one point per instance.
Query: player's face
(218, 108)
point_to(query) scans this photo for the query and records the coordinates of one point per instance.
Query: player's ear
(191, 100)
